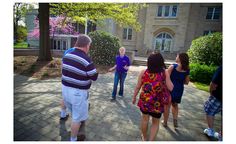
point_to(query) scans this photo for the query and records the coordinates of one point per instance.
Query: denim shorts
(76, 101)
(212, 106)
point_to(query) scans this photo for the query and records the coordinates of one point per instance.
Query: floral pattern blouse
(154, 94)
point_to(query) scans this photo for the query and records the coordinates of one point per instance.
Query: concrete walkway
(37, 106)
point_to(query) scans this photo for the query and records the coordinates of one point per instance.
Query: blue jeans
(119, 76)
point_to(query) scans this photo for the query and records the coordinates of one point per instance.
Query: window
(127, 34)
(167, 11)
(64, 45)
(208, 32)
(159, 12)
(174, 11)
(213, 13)
(54, 44)
(163, 42)
(60, 44)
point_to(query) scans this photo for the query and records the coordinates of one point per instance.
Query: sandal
(163, 123)
(175, 123)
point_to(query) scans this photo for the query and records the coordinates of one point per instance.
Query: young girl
(155, 83)
(179, 75)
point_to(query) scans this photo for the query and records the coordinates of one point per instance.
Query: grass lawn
(21, 45)
(202, 86)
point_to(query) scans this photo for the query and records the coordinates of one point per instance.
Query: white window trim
(156, 39)
(61, 44)
(127, 33)
(170, 11)
(213, 13)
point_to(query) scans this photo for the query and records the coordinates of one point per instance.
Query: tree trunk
(15, 33)
(44, 44)
(16, 19)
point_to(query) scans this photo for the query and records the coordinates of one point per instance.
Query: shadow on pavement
(65, 135)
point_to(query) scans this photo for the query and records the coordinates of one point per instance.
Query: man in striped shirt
(78, 72)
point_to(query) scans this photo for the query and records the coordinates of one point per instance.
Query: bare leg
(63, 109)
(144, 126)
(166, 114)
(154, 128)
(210, 121)
(74, 129)
(175, 111)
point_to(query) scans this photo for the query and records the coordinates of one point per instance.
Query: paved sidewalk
(37, 106)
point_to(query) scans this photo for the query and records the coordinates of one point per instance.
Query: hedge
(207, 50)
(201, 73)
(104, 48)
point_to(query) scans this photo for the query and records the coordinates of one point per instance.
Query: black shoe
(64, 118)
(81, 137)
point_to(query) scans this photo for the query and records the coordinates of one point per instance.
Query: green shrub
(21, 45)
(22, 34)
(201, 73)
(104, 48)
(207, 49)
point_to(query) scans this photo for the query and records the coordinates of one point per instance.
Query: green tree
(20, 10)
(21, 33)
(125, 14)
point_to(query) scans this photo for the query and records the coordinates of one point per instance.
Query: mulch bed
(29, 66)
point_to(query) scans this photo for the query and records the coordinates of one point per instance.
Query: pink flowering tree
(58, 25)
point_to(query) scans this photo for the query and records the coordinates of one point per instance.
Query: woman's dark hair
(155, 63)
(184, 60)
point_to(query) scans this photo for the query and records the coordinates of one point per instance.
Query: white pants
(76, 100)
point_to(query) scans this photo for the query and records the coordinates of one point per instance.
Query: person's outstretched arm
(169, 83)
(112, 68)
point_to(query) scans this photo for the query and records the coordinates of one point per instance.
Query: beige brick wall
(189, 24)
(140, 35)
(175, 26)
(198, 22)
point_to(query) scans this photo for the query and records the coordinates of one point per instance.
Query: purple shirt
(121, 62)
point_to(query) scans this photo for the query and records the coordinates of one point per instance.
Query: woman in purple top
(121, 67)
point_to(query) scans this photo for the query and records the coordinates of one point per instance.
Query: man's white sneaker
(218, 136)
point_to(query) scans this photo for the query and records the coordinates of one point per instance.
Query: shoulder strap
(175, 65)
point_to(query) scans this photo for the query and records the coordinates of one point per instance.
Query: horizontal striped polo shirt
(78, 71)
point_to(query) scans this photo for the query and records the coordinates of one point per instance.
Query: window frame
(163, 41)
(128, 34)
(207, 32)
(213, 13)
(170, 12)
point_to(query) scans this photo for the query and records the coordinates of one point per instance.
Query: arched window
(163, 42)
